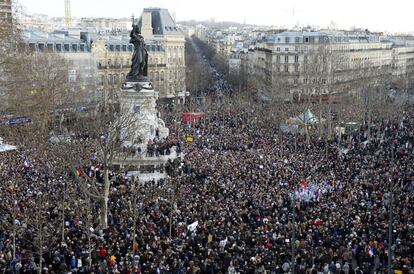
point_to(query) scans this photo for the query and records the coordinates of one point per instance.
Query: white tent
(6, 147)
(307, 118)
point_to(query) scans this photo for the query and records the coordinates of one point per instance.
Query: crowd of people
(156, 148)
(226, 208)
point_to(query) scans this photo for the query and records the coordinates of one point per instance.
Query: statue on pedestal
(139, 67)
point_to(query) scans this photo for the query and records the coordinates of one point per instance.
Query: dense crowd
(227, 208)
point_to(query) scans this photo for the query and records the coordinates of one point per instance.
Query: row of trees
(32, 84)
(326, 81)
(198, 78)
(219, 62)
(37, 85)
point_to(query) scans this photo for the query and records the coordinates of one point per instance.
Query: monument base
(144, 167)
(138, 99)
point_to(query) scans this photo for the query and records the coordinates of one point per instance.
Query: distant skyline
(391, 16)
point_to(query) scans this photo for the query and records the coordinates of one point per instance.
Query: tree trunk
(63, 222)
(88, 227)
(369, 124)
(320, 115)
(14, 234)
(105, 199)
(40, 231)
(40, 254)
(330, 117)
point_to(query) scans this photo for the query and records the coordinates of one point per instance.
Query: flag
(223, 243)
(135, 246)
(34, 91)
(26, 163)
(371, 252)
(190, 139)
(78, 171)
(210, 238)
(193, 226)
(304, 183)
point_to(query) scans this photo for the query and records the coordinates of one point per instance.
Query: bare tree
(109, 130)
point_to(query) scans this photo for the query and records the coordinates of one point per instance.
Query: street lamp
(391, 191)
(293, 262)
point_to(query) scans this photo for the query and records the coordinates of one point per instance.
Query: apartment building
(303, 62)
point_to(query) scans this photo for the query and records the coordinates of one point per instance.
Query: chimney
(146, 28)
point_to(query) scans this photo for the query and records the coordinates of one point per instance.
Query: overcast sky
(395, 15)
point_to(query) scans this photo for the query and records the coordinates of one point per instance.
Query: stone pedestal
(138, 100)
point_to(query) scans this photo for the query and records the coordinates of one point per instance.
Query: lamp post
(293, 262)
(391, 189)
(390, 228)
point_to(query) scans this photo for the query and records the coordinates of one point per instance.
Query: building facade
(107, 57)
(165, 45)
(5, 11)
(81, 65)
(166, 61)
(310, 63)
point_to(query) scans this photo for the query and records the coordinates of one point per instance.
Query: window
(137, 109)
(296, 68)
(287, 40)
(278, 59)
(295, 81)
(296, 39)
(278, 49)
(306, 39)
(305, 81)
(297, 48)
(305, 59)
(324, 81)
(296, 59)
(286, 59)
(286, 68)
(286, 49)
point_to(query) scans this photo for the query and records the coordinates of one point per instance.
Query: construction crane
(68, 14)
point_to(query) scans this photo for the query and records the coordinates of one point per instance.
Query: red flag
(304, 183)
(78, 171)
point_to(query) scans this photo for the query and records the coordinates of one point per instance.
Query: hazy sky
(395, 15)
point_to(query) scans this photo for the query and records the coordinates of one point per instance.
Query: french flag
(371, 252)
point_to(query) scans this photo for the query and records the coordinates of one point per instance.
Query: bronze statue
(139, 67)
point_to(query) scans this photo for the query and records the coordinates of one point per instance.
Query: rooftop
(321, 37)
(162, 22)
